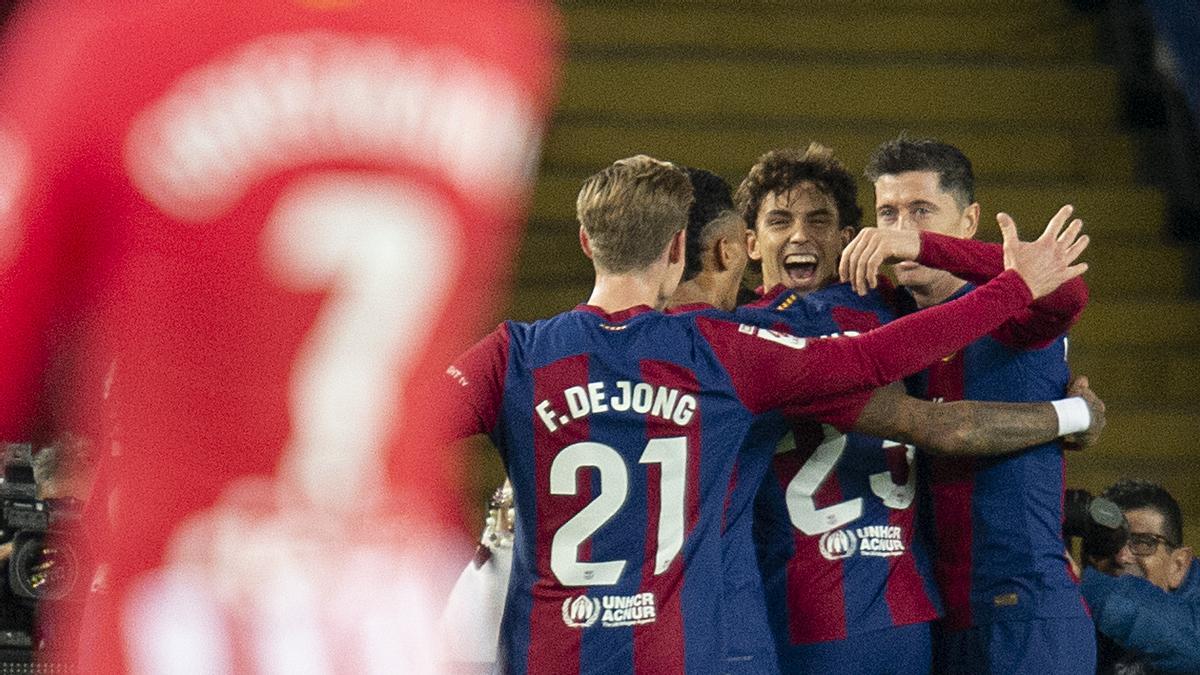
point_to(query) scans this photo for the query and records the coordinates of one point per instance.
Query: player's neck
(616, 292)
(698, 291)
(937, 291)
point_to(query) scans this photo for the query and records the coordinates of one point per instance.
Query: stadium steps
(714, 83)
(578, 145)
(822, 27)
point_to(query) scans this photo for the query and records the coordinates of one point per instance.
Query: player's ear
(971, 220)
(1181, 563)
(584, 242)
(675, 249)
(752, 245)
(722, 253)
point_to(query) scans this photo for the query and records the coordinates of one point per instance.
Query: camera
(42, 565)
(1096, 521)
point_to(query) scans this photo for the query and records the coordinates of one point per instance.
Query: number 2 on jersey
(802, 508)
(669, 453)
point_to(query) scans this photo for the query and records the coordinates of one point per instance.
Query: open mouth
(800, 267)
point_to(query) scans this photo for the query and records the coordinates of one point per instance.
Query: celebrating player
(711, 278)
(836, 525)
(619, 427)
(1012, 603)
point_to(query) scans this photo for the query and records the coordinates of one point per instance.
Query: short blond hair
(631, 209)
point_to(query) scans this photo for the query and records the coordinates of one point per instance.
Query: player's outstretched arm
(805, 370)
(975, 427)
(972, 260)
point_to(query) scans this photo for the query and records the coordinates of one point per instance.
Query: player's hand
(872, 248)
(1079, 387)
(1045, 263)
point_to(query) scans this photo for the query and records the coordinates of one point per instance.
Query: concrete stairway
(1014, 83)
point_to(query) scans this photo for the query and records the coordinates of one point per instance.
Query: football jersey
(837, 529)
(268, 216)
(621, 433)
(835, 520)
(995, 523)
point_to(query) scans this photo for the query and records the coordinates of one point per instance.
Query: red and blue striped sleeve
(771, 370)
(475, 385)
(977, 262)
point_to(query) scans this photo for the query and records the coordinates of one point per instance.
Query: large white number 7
(380, 248)
(670, 453)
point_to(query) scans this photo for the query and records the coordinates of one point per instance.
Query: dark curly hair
(780, 170)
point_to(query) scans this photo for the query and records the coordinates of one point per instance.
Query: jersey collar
(690, 307)
(618, 316)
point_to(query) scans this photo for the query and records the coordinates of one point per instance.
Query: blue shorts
(1036, 646)
(902, 650)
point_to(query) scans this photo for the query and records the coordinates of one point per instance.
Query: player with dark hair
(276, 214)
(786, 186)
(1012, 602)
(955, 428)
(619, 427)
(832, 531)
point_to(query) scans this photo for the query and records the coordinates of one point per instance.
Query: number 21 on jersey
(669, 453)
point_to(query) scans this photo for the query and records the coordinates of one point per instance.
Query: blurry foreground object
(276, 218)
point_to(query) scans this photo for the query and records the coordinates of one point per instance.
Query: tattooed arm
(970, 427)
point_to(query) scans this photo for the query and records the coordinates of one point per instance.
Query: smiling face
(1160, 563)
(797, 238)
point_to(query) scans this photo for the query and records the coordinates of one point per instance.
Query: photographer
(1145, 597)
(16, 614)
(42, 493)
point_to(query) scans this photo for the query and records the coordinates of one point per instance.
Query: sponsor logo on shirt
(612, 611)
(838, 544)
(880, 541)
(787, 339)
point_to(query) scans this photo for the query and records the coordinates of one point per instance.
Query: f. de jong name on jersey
(667, 403)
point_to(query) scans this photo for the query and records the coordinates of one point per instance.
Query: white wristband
(1073, 415)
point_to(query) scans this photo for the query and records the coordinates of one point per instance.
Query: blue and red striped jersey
(996, 523)
(621, 433)
(835, 521)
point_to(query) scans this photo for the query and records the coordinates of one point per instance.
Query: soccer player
(836, 526)
(274, 215)
(710, 280)
(1012, 603)
(619, 427)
